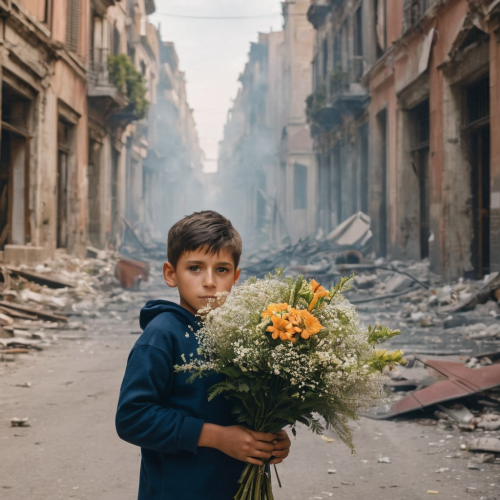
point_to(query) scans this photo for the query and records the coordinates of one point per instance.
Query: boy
(191, 448)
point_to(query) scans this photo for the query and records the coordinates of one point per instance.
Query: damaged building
(403, 120)
(82, 145)
(266, 160)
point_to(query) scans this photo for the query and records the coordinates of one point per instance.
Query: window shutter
(72, 24)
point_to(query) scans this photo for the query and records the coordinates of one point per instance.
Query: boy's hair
(203, 229)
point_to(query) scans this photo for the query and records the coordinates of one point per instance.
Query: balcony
(102, 92)
(317, 12)
(346, 96)
(414, 10)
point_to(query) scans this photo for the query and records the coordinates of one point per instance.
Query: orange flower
(273, 309)
(308, 324)
(318, 292)
(282, 328)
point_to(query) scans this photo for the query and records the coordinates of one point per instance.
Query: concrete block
(16, 255)
(398, 283)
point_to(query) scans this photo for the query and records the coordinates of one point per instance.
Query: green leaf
(232, 371)
(294, 295)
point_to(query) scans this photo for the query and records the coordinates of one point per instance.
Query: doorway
(65, 139)
(382, 161)
(478, 111)
(14, 167)
(420, 164)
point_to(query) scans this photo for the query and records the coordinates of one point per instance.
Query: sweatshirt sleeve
(142, 417)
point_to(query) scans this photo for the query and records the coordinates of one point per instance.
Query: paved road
(71, 450)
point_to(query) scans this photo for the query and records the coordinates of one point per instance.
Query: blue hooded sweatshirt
(163, 414)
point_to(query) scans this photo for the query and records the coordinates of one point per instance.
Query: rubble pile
(56, 295)
(450, 332)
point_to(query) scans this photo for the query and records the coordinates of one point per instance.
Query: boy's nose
(209, 279)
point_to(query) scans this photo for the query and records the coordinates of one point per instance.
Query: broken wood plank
(17, 314)
(372, 267)
(15, 350)
(380, 297)
(41, 279)
(37, 312)
(134, 234)
(5, 320)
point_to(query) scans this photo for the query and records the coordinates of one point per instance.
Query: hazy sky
(213, 54)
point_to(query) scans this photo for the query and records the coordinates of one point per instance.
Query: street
(71, 449)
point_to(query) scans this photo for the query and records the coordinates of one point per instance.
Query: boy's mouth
(208, 297)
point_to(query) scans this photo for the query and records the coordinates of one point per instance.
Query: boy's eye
(222, 270)
(194, 268)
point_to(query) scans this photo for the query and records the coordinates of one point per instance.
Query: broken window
(14, 167)
(72, 24)
(299, 187)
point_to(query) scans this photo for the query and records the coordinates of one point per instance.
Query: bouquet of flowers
(291, 352)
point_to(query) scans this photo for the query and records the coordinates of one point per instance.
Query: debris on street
(20, 422)
(37, 302)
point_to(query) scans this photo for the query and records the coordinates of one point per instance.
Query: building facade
(410, 136)
(44, 126)
(266, 159)
(80, 124)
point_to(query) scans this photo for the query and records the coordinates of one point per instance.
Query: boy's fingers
(264, 446)
(282, 445)
(280, 453)
(282, 434)
(266, 455)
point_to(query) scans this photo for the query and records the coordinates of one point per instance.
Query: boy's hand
(282, 445)
(239, 442)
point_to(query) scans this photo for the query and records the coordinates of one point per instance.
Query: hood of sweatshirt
(155, 307)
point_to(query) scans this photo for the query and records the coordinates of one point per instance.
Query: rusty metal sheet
(461, 381)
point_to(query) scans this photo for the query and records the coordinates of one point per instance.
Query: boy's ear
(237, 275)
(169, 275)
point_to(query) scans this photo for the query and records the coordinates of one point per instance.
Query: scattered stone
(455, 322)
(483, 458)
(20, 422)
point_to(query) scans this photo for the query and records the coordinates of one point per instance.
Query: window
(413, 10)
(299, 187)
(337, 52)
(478, 101)
(380, 20)
(358, 33)
(72, 24)
(325, 58)
(116, 40)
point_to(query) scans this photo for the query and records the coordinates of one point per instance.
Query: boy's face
(199, 276)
